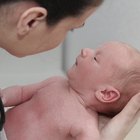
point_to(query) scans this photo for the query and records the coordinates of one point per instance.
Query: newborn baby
(100, 81)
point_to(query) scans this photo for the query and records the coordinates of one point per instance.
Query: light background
(114, 20)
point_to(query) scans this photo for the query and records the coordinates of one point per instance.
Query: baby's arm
(88, 136)
(88, 132)
(15, 95)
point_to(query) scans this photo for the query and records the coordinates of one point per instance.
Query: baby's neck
(82, 99)
(77, 96)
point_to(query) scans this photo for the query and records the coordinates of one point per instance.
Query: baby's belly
(30, 121)
(24, 122)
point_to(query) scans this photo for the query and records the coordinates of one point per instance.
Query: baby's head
(108, 77)
(126, 76)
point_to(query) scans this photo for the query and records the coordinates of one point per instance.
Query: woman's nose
(86, 52)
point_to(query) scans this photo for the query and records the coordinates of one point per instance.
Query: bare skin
(52, 116)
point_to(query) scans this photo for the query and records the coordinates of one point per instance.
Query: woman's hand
(120, 125)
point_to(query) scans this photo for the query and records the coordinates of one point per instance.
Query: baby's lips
(2, 98)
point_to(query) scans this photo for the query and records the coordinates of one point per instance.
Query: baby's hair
(126, 80)
(129, 81)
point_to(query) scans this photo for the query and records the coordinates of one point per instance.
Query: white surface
(29, 69)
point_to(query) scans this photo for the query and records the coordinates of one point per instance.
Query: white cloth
(3, 135)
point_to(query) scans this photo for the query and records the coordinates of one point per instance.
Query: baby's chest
(57, 121)
(53, 104)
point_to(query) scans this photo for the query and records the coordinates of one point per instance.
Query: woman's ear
(30, 19)
(107, 94)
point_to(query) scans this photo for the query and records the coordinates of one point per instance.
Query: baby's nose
(86, 52)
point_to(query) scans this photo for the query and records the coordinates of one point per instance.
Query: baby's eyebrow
(97, 52)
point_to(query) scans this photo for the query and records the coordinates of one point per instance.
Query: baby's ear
(107, 94)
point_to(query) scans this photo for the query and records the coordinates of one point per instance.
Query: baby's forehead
(114, 45)
(118, 48)
(108, 48)
(117, 53)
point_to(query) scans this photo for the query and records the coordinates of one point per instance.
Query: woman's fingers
(119, 126)
(131, 111)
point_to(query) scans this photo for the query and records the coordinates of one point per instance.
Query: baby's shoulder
(57, 79)
(53, 80)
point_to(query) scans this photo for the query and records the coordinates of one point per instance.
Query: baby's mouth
(76, 63)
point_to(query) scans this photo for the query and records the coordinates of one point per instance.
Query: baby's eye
(95, 58)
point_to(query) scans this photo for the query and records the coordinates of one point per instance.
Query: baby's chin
(71, 70)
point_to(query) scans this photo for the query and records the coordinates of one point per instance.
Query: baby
(100, 81)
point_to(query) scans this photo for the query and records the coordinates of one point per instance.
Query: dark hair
(60, 9)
